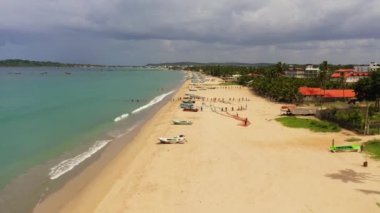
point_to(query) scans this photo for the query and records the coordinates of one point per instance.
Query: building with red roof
(339, 93)
(349, 75)
(311, 93)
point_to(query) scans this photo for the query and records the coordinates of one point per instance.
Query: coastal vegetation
(368, 88)
(313, 125)
(29, 63)
(361, 119)
(372, 147)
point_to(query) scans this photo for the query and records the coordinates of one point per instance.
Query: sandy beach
(225, 166)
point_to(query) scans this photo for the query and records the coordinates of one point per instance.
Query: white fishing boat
(176, 139)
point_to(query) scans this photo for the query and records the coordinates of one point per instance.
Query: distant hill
(209, 64)
(29, 63)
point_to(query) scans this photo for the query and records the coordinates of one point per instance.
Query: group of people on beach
(230, 87)
(239, 108)
(220, 87)
(214, 99)
(229, 99)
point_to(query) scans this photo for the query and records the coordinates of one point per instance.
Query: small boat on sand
(187, 101)
(176, 139)
(182, 122)
(186, 105)
(190, 109)
(346, 148)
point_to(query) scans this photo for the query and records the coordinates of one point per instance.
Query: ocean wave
(152, 102)
(68, 164)
(121, 117)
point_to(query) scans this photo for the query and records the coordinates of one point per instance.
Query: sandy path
(225, 167)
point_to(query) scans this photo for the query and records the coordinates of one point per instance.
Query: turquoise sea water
(46, 112)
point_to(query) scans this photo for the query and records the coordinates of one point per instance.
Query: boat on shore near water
(172, 140)
(186, 105)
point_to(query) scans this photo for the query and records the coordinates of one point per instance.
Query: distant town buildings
(296, 71)
(348, 75)
(373, 66)
(361, 68)
(312, 71)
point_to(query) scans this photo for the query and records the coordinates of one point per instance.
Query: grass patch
(313, 125)
(373, 148)
(353, 139)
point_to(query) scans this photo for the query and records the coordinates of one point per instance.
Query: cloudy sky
(136, 32)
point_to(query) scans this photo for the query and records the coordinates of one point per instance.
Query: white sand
(226, 167)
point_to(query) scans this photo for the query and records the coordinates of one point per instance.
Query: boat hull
(349, 148)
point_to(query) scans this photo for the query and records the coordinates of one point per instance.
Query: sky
(137, 32)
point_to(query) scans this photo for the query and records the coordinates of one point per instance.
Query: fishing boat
(187, 105)
(182, 122)
(346, 148)
(188, 101)
(176, 139)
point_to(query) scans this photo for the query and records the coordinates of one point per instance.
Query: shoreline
(228, 167)
(83, 179)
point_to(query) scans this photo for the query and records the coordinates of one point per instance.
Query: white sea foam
(152, 102)
(68, 164)
(121, 117)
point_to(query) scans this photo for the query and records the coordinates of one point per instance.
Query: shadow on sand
(366, 191)
(349, 175)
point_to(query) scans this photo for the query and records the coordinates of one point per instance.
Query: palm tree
(342, 81)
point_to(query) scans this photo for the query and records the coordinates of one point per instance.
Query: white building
(311, 71)
(295, 72)
(373, 66)
(361, 68)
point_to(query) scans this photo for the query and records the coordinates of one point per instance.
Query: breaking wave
(152, 102)
(121, 117)
(68, 164)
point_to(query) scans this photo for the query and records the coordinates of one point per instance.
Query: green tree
(368, 88)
